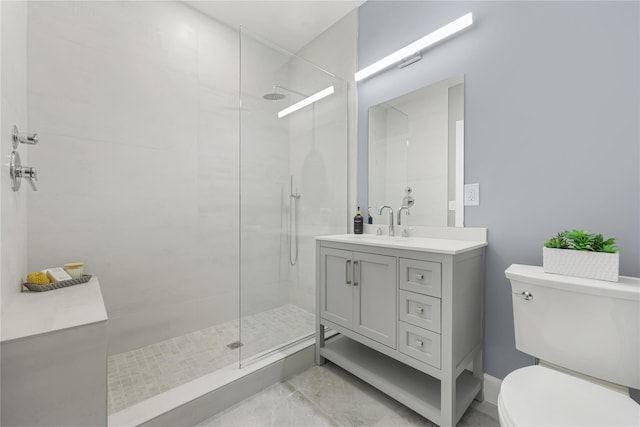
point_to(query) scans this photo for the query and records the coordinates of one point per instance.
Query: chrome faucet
(402, 208)
(390, 217)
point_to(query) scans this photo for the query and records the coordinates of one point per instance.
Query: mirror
(416, 155)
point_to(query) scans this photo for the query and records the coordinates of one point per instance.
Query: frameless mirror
(416, 155)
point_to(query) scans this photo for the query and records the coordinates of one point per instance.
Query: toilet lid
(539, 396)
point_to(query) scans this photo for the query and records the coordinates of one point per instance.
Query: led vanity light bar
(307, 101)
(415, 47)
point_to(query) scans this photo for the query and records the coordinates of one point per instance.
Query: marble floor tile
(349, 400)
(475, 418)
(277, 406)
(329, 396)
(404, 417)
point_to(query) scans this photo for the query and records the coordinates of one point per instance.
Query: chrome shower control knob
(17, 172)
(31, 174)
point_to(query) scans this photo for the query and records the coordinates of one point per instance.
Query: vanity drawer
(419, 343)
(423, 277)
(420, 310)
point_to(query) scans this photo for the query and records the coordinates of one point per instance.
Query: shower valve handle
(32, 176)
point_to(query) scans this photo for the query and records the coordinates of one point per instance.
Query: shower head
(277, 96)
(274, 96)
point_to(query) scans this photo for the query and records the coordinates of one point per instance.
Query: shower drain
(234, 345)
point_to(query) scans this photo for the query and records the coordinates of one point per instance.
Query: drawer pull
(419, 276)
(419, 309)
(346, 271)
(355, 271)
(419, 343)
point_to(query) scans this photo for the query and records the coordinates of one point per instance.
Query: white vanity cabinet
(409, 314)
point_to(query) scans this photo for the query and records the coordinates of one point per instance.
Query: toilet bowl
(586, 334)
(542, 396)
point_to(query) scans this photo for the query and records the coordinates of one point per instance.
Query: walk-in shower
(291, 178)
(198, 273)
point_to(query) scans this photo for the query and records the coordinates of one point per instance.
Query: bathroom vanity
(409, 313)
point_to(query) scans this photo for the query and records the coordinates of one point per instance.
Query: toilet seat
(540, 396)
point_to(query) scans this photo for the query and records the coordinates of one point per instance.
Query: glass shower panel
(293, 186)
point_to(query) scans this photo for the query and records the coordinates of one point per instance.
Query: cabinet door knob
(419, 343)
(419, 309)
(419, 276)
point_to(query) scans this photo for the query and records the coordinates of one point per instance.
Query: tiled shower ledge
(139, 374)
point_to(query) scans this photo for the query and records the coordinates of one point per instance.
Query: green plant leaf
(610, 249)
(558, 242)
(581, 240)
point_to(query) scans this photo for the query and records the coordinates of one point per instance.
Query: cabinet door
(375, 305)
(336, 286)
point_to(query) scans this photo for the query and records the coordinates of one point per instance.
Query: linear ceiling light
(415, 47)
(307, 101)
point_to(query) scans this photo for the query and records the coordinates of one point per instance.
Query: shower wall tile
(128, 183)
(136, 104)
(218, 58)
(13, 215)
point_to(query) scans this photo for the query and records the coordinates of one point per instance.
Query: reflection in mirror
(416, 155)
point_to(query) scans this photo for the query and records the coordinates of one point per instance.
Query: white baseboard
(491, 389)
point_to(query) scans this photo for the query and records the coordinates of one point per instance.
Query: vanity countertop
(34, 313)
(423, 244)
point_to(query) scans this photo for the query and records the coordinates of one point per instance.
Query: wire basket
(57, 285)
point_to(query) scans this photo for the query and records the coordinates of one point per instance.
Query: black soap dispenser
(358, 222)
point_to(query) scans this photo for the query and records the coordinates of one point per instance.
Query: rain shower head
(274, 96)
(277, 96)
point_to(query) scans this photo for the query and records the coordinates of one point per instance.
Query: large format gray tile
(475, 418)
(328, 395)
(350, 401)
(405, 417)
(279, 405)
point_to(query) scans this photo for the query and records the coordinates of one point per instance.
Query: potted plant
(582, 254)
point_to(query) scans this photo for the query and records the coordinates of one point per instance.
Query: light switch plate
(472, 194)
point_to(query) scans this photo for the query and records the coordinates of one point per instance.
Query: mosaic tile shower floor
(139, 374)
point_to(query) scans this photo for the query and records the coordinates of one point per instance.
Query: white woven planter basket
(592, 265)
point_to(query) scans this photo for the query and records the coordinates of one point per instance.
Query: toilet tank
(588, 326)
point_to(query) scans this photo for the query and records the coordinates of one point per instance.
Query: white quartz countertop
(34, 313)
(422, 244)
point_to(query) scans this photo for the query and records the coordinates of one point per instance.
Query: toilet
(586, 335)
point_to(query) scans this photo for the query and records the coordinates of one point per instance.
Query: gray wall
(551, 125)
